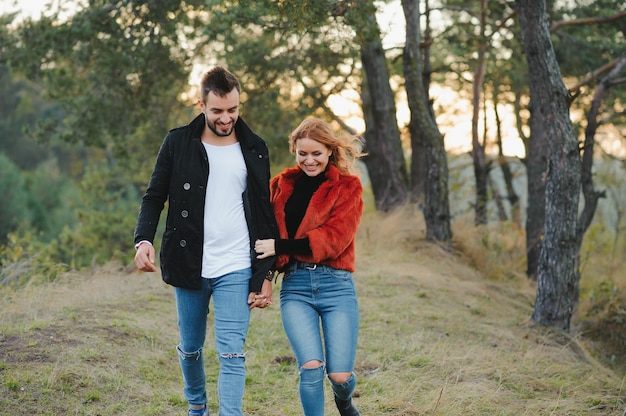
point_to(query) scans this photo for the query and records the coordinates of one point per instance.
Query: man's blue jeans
(325, 295)
(231, 320)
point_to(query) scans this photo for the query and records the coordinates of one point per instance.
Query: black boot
(346, 408)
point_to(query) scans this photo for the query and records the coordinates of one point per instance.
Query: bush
(106, 214)
(14, 207)
(26, 259)
(75, 225)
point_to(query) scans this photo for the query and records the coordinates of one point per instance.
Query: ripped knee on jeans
(233, 355)
(189, 355)
(313, 364)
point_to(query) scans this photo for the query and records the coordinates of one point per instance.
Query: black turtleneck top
(295, 208)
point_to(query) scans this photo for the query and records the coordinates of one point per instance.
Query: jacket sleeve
(155, 196)
(331, 238)
(265, 226)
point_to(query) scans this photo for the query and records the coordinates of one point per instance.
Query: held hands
(261, 299)
(265, 248)
(144, 257)
(144, 260)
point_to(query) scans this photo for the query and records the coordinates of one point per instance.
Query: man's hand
(144, 257)
(261, 299)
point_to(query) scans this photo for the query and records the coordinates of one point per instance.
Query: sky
(34, 8)
(28, 8)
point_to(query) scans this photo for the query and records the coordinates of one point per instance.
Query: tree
(425, 135)
(556, 274)
(478, 148)
(289, 62)
(308, 50)
(115, 68)
(477, 43)
(117, 71)
(385, 161)
(503, 163)
(590, 194)
(14, 208)
(575, 52)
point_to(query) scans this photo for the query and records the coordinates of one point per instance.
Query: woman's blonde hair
(345, 150)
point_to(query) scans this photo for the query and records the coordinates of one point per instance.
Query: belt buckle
(311, 266)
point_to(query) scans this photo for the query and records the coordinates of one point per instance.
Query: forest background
(89, 89)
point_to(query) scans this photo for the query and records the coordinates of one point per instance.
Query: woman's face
(312, 156)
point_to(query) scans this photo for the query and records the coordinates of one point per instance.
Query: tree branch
(586, 21)
(593, 75)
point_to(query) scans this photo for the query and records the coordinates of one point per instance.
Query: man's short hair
(219, 81)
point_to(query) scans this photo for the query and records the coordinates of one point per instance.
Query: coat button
(183, 243)
(184, 213)
(186, 186)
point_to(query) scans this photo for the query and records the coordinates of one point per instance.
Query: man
(215, 173)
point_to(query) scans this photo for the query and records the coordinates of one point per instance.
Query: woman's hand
(261, 299)
(265, 248)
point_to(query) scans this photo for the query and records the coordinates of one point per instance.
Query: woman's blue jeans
(309, 297)
(231, 320)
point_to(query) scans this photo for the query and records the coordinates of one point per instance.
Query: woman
(318, 208)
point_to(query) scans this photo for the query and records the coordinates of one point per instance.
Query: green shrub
(14, 207)
(106, 213)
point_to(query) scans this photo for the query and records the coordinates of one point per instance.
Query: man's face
(221, 113)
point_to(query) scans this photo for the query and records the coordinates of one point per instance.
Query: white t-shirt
(226, 238)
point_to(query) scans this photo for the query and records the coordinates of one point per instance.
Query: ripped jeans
(231, 319)
(320, 315)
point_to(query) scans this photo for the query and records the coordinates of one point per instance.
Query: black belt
(301, 265)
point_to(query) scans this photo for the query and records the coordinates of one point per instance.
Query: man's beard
(218, 132)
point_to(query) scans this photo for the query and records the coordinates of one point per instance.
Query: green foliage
(36, 209)
(108, 77)
(38, 200)
(22, 107)
(606, 301)
(51, 196)
(112, 74)
(72, 226)
(288, 62)
(115, 68)
(25, 259)
(14, 208)
(584, 47)
(19, 104)
(106, 214)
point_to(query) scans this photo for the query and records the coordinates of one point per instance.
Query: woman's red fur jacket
(330, 221)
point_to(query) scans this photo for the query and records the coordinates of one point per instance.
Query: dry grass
(437, 337)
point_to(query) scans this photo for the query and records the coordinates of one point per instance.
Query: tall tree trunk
(536, 162)
(590, 195)
(419, 168)
(385, 161)
(536, 167)
(556, 273)
(423, 127)
(478, 149)
(502, 216)
(503, 163)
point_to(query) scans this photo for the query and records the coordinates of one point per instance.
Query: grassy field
(437, 337)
